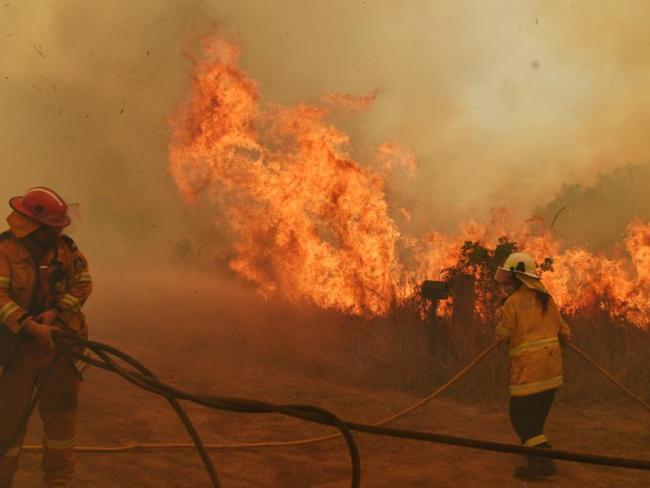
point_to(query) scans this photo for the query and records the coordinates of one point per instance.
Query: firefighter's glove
(48, 317)
(41, 332)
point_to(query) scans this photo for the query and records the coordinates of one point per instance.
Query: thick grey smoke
(596, 216)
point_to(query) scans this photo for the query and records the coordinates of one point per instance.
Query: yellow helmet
(524, 268)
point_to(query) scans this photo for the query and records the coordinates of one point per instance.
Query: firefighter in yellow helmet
(44, 281)
(534, 328)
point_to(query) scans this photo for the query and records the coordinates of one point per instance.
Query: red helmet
(43, 205)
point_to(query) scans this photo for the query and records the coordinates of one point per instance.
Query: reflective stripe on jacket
(534, 348)
(64, 281)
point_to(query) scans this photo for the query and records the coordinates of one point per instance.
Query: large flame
(312, 224)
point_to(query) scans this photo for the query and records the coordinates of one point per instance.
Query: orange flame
(311, 224)
(581, 279)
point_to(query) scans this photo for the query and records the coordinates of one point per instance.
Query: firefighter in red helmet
(44, 282)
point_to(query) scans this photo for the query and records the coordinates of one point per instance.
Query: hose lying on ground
(298, 442)
(105, 353)
(69, 346)
(144, 379)
(40, 387)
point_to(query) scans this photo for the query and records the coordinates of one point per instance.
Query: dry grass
(216, 324)
(620, 348)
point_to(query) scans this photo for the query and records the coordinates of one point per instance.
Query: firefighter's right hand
(41, 332)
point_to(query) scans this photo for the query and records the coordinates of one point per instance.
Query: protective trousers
(57, 408)
(528, 416)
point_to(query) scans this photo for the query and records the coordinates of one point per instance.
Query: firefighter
(44, 282)
(532, 325)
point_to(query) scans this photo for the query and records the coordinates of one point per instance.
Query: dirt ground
(113, 413)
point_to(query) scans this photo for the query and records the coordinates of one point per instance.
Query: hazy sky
(501, 101)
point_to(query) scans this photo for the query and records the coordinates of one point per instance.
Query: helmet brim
(532, 283)
(503, 275)
(17, 204)
(20, 225)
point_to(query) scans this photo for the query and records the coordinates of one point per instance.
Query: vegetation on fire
(413, 350)
(454, 339)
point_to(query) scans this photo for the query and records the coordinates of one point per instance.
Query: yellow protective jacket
(534, 347)
(62, 277)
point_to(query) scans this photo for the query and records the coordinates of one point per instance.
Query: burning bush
(619, 345)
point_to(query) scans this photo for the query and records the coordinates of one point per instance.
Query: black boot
(536, 468)
(529, 471)
(546, 465)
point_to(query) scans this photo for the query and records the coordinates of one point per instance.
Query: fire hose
(137, 374)
(299, 442)
(609, 376)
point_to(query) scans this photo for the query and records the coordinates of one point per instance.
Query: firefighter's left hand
(48, 317)
(41, 332)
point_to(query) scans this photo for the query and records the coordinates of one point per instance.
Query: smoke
(596, 216)
(85, 90)
(503, 102)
